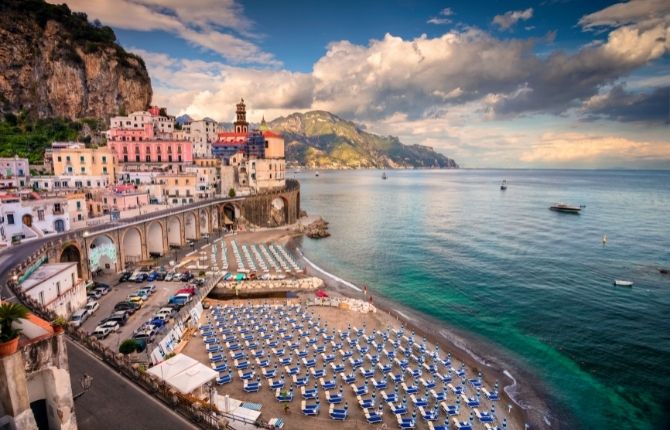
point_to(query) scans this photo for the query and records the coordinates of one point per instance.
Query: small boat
(316, 174)
(621, 283)
(503, 185)
(384, 176)
(563, 207)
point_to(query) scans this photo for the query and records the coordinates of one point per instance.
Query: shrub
(128, 346)
(231, 193)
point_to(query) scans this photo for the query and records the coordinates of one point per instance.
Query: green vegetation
(28, 138)
(128, 346)
(231, 193)
(9, 314)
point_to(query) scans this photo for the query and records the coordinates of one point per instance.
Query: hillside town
(148, 162)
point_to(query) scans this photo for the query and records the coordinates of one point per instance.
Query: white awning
(183, 373)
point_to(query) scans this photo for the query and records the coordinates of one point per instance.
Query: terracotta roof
(270, 133)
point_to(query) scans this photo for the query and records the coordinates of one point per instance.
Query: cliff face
(53, 63)
(321, 139)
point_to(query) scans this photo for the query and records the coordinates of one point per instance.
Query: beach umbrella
(504, 423)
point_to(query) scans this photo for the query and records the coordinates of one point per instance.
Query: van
(78, 318)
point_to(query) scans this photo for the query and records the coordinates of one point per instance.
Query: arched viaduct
(116, 246)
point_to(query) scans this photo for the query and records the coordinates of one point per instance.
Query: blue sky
(556, 83)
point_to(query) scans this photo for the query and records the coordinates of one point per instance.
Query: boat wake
(330, 275)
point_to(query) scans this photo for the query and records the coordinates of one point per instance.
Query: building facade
(152, 151)
(202, 133)
(68, 183)
(77, 160)
(57, 287)
(14, 172)
(30, 217)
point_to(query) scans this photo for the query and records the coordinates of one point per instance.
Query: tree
(128, 346)
(231, 193)
(162, 112)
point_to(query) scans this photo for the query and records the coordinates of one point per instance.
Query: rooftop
(45, 272)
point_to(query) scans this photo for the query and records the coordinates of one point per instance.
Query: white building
(29, 219)
(14, 172)
(202, 133)
(57, 287)
(68, 183)
(136, 121)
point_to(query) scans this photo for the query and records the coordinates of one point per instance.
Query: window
(148, 158)
(69, 169)
(125, 158)
(78, 205)
(137, 157)
(88, 183)
(83, 169)
(81, 158)
(104, 170)
(58, 288)
(104, 159)
(10, 219)
(67, 159)
(42, 297)
(59, 159)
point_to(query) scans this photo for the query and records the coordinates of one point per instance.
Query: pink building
(151, 151)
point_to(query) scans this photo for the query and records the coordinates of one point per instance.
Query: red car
(190, 291)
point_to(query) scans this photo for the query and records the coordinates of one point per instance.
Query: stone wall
(258, 209)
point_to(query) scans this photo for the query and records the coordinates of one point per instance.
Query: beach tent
(183, 373)
(230, 406)
(321, 293)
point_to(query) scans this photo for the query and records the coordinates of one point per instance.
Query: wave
(330, 275)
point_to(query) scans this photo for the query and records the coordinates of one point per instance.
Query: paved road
(113, 402)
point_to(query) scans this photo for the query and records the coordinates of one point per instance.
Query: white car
(112, 325)
(91, 307)
(104, 329)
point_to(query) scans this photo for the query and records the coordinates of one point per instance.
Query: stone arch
(279, 211)
(214, 211)
(131, 244)
(230, 213)
(155, 239)
(205, 228)
(72, 253)
(103, 254)
(190, 226)
(174, 231)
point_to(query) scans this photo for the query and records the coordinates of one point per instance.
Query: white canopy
(183, 373)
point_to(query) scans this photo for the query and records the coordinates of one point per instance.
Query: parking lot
(119, 293)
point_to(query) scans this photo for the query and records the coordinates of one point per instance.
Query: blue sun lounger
(410, 389)
(373, 417)
(226, 378)
(439, 396)
(327, 384)
(429, 414)
(270, 373)
(405, 423)
(252, 386)
(484, 416)
(310, 393)
(310, 409)
(279, 383)
(462, 425)
(379, 385)
(338, 413)
(419, 401)
(444, 426)
(337, 367)
(397, 408)
(334, 398)
(360, 390)
(348, 378)
(491, 395)
(391, 397)
(245, 376)
(283, 397)
(451, 410)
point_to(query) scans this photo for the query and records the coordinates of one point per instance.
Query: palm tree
(10, 313)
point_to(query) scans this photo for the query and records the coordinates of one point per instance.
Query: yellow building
(179, 188)
(77, 160)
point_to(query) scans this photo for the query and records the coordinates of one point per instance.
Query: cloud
(202, 88)
(204, 23)
(620, 105)
(441, 19)
(586, 150)
(626, 13)
(509, 19)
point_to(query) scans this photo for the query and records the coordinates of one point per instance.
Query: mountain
(54, 63)
(321, 139)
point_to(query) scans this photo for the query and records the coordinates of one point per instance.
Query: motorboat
(316, 174)
(622, 283)
(566, 208)
(503, 185)
(384, 176)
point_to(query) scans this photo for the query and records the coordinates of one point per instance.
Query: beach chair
(384, 368)
(219, 367)
(327, 384)
(472, 402)
(372, 416)
(226, 378)
(360, 390)
(419, 401)
(241, 364)
(348, 378)
(405, 423)
(432, 426)
(337, 367)
(317, 373)
(292, 370)
(300, 381)
(439, 396)
(397, 408)
(457, 390)
(252, 386)
(283, 396)
(428, 383)
(429, 414)
(334, 398)
(338, 414)
(275, 384)
(245, 376)
(396, 379)
(366, 403)
(461, 425)
(410, 389)
(483, 416)
(491, 395)
(367, 373)
(450, 410)
(310, 409)
(310, 393)
(269, 373)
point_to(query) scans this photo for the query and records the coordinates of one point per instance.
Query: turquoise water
(532, 281)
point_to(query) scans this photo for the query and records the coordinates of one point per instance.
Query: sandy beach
(521, 389)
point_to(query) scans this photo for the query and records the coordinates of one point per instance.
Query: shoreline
(532, 403)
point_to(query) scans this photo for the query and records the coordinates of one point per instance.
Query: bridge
(115, 246)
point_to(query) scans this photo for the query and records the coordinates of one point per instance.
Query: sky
(513, 84)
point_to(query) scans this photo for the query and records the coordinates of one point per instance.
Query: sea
(534, 283)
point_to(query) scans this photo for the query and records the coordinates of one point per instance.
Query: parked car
(111, 324)
(101, 332)
(91, 307)
(151, 288)
(119, 316)
(180, 299)
(140, 277)
(125, 277)
(168, 276)
(189, 290)
(94, 294)
(168, 311)
(129, 307)
(186, 276)
(102, 291)
(143, 294)
(136, 299)
(146, 328)
(78, 318)
(151, 277)
(158, 322)
(100, 285)
(160, 275)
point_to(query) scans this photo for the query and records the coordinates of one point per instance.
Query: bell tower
(241, 124)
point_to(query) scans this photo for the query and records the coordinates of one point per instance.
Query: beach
(520, 389)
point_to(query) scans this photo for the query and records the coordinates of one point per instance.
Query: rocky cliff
(321, 139)
(54, 63)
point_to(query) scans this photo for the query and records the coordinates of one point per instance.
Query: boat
(316, 174)
(503, 185)
(384, 176)
(563, 207)
(621, 283)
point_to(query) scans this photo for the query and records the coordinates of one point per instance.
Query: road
(113, 402)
